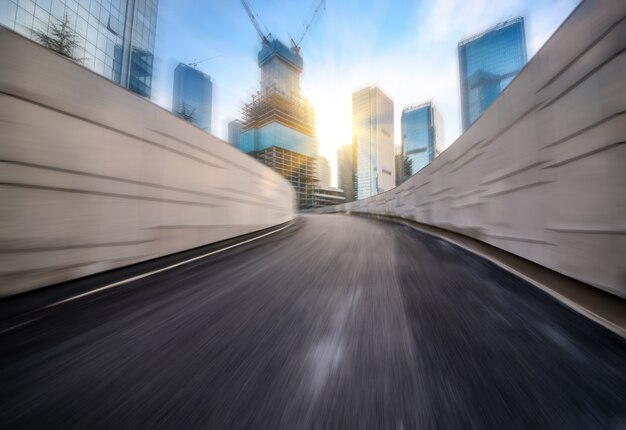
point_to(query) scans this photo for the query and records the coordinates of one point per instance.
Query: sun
(333, 123)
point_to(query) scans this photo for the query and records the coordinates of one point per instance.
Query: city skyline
(154, 275)
(401, 47)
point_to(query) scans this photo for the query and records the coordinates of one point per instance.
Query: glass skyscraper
(234, 132)
(372, 133)
(421, 137)
(115, 37)
(193, 93)
(488, 62)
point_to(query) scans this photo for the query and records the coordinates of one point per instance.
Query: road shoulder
(600, 306)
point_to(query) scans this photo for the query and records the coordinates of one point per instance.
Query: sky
(408, 48)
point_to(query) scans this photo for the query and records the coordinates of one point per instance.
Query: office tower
(488, 62)
(323, 171)
(193, 94)
(345, 171)
(115, 37)
(421, 137)
(234, 132)
(279, 124)
(372, 129)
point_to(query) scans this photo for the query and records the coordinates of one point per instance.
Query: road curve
(338, 322)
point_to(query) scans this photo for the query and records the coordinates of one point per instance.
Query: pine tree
(61, 38)
(186, 112)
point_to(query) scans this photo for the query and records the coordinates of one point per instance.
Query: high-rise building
(422, 138)
(323, 172)
(488, 62)
(193, 95)
(372, 130)
(279, 117)
(345, 171)
(234, 132)
(115, 38)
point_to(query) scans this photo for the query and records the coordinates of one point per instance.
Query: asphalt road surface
(338, 322)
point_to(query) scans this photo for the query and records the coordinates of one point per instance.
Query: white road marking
(6, 330)
(154, 272)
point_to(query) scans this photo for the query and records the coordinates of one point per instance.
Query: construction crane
(194, 63)
(264, 38)
(296, 45)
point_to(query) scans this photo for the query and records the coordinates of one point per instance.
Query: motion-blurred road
(337, 322)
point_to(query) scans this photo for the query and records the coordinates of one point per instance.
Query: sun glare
(333, 125)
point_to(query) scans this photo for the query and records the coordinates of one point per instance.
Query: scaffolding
(272, 105)
(300, 170)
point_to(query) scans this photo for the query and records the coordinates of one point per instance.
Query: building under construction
(278, 123)
(273, 105)
(300, 170)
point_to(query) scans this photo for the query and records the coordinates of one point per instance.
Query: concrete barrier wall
(93, 177)
(542, 173)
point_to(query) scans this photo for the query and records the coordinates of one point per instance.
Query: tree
(407, 166)
(186, 112)
(60, 38)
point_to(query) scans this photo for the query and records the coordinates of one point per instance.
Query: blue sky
(406, 47)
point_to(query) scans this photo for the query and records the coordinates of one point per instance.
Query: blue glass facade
(193, 93)
(420, 137)
(115, 37)
(234, 132)
(275, 134)
(488, 62)
(280, 68)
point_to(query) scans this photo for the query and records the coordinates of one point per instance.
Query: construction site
(273, 105)
(300, 170)
(278, 127)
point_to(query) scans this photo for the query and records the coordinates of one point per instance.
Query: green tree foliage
(408, 168)
(186, 112)
(60, 38)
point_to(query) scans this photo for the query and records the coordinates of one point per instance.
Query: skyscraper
(279, 124)
(488, 62)
(323, 171)
(372, 130)
(193, 94)
(421, 137)
(345, 171)
(234, 132)
(115, 37)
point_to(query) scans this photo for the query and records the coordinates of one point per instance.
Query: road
(337, 322)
